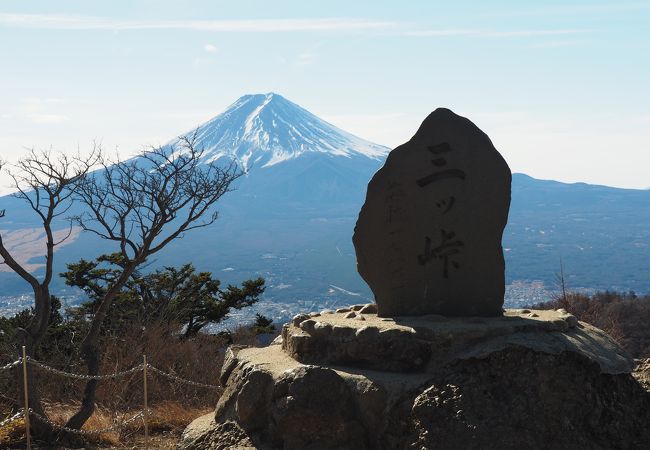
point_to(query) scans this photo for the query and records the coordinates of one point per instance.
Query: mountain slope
(291, 157)
(600, 234)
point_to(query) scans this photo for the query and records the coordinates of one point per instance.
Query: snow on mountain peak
(262, 130)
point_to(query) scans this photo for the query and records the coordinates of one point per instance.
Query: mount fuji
(290, 218)
(264, 130)
(293, 159)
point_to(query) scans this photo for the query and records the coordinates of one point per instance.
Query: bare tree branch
(46, 183)
(142, 205)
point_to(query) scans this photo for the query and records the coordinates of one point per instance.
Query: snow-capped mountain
(294, 161)
(262, 130)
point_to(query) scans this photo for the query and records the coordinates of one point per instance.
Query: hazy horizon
(560, 88)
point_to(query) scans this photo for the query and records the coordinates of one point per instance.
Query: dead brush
(12, 433)
(173, 404)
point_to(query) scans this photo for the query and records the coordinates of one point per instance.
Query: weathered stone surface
(296, 407)
(203, 433)
(428, 238)
(553, 402)
(299, 318)
(312, 407)
(514, 397)
(428, 342)
(370, 308)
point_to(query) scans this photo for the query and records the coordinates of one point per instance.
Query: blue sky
(562, 88)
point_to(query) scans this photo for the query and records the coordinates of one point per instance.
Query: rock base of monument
(351, 380)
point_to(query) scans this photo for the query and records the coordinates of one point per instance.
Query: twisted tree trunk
(91, 351)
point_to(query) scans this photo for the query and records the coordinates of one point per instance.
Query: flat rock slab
(428, 237)
(426, 343)
(513, 398)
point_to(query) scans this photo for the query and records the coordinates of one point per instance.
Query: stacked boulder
(352, 380)
(435, 363)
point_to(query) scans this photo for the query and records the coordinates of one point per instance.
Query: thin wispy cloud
(484, 33)
(305, 59)
(39, 110)
(209, 48)
(79, 22)
(51, 119)
(559, 43)
(581, 9)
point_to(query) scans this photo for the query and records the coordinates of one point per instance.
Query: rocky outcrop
(425, 343)
(205, 434)
(527, 380)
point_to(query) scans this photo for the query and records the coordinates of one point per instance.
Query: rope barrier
(12, 365)
(84, 377)
(115, 427)
(13, 418)
(183, 380)
(132, 370)
(142, 414)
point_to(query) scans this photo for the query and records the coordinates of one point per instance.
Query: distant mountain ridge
(291, 218)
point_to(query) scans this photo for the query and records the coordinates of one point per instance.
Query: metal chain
(13, 364)
(86, 432)
(137, 368)
(183, 380)
(13, 418)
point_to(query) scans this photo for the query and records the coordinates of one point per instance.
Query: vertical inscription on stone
(395, 257)
(428, 238)
(440, 162)
(447, 244)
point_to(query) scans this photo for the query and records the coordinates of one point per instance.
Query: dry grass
(12, 433)
(624, 316)
(642, 373)
(173, 417)
(166, 423)
(173, 405)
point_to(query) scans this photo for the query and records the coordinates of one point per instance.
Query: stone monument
(428, 238)
(428, 242)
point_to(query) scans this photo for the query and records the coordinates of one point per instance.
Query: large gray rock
(205, 434)
(428, 238)
(530, 379)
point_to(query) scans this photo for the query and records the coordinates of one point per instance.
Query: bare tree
(142, 205)
(46, 183)
(560, 281)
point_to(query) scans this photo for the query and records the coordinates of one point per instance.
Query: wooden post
(26, 392)
(146, 406)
